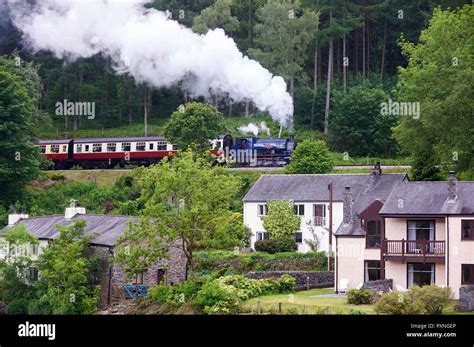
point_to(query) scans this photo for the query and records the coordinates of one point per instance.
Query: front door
(160, 276)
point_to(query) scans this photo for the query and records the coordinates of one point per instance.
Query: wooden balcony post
(403, 251)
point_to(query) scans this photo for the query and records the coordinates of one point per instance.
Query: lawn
(293, 303)
(105, 178)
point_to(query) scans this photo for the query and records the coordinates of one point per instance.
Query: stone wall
(112, 277)
(380, 285)
(304, 279)
(466, 298)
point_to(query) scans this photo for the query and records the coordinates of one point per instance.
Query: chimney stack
(452, 182)
(347, 206)
(377, 170)
(72, 210)
(15, 217)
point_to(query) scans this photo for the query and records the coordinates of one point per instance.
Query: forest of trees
(338, 57)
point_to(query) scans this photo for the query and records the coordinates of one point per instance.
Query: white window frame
(298, 209)
(260, 236)
(262, 210)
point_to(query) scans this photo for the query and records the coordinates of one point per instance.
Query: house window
(299, 209)
(43, 148)
(420, 274)
(262, 209)
(78, 148)
(34, 249)
(33, 275)
(371, 270)
(138, 280)
(96, 147)
(54, 148)
(126, 146)
(467, 274)
(467, 229)
(111, 147)
(373, 237)
(141, 146)
(299, 237)
(261, 235)
(161, 146)
(319, 214)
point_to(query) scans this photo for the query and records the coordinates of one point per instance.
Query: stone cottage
(106, 229)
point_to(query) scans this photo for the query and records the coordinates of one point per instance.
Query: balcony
(319, 221)
(414, 251)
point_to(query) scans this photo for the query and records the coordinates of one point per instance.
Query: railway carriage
(103, 153)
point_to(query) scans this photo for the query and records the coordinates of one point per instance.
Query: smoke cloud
(255, 129)
(152, 48)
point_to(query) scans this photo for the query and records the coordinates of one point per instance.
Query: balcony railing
(413, 248)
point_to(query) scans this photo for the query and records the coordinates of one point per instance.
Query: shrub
(276, 246)
(360, 296)
(58, 177)
(178, 294)
(17, 306)
(217, 298)
(398, 303)
(433, 298)
(287, 284)
(311, 157)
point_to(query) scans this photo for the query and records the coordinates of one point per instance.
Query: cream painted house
(310, 196)
(423, 233)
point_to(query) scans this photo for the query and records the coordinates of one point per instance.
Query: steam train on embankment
(108, 153)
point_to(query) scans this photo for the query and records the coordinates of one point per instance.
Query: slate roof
(365, 189)
(429, 198)
(108, 228)
(315, 187)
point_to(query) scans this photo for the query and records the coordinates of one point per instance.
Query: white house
(310, 195)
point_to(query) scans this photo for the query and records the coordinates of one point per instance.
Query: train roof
(103, 139)
(53, 142)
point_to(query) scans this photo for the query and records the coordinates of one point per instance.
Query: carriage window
(126, 147)
(151, 146)
(64, 148)
(111, 147)
(54, 148)
(97, 147)
(161, 146)
(141, 146)
(175, 147)
(78, 148)
(43, 148)
(86, 148)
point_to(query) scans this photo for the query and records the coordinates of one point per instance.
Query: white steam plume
(255, 129)
(152, 48)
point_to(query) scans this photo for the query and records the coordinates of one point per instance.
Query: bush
(217, 298)
(425, 300)
(17, 306)
(276, 246)
(58, 177)
(433, 298)
(311, 157)
(398, 303)
(360, 296)
(178, 294)
(287, 284)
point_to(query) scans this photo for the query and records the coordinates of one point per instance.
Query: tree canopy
(311, 157)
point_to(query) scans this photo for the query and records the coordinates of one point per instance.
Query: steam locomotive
(107, 153)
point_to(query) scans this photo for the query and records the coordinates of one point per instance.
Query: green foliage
(178, 294)
(311, 157)
(433, 298)
(281, 222)
(440, 76)
(224, 294)
(19, 159)
(425, 300)
(360, 296)
(193, 124)
(357, 126)
(276, 246)
(216, 16)
(187, 201)
(64, 285)
(218, 298)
